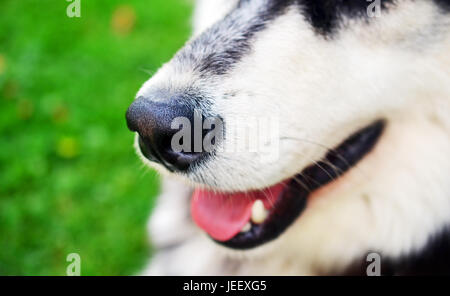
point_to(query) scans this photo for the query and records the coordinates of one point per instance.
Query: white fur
(398, 68)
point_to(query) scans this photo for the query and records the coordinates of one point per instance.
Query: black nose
(153, 122)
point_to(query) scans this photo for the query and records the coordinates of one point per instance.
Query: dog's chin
(246, 220)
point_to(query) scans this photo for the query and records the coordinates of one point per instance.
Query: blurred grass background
(69, 179)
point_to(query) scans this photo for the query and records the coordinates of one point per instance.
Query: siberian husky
(360, 93)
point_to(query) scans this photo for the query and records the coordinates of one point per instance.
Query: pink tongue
(223, 215)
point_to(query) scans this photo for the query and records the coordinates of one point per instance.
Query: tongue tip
(211, 213)
(223, 215)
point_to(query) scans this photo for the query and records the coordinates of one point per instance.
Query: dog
(357, 96)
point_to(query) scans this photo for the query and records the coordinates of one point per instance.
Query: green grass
(69, 179)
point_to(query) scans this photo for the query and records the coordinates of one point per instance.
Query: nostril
(146, 150)
(164, 154)
(180, 161)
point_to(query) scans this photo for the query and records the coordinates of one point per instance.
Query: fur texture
(324, 69)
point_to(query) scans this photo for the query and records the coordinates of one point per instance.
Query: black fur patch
(326, 15)
(444, 4)
(434, 259)
(226, 42)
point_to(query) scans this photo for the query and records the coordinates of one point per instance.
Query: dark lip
(295, 196)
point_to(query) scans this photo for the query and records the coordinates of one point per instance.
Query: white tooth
(246, 227)
(259, 213)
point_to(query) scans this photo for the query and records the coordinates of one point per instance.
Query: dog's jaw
(354, 209)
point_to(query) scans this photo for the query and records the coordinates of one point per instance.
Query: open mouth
(247, 220)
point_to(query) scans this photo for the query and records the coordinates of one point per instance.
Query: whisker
(328, 149)
(147, 71)
(301, 183)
